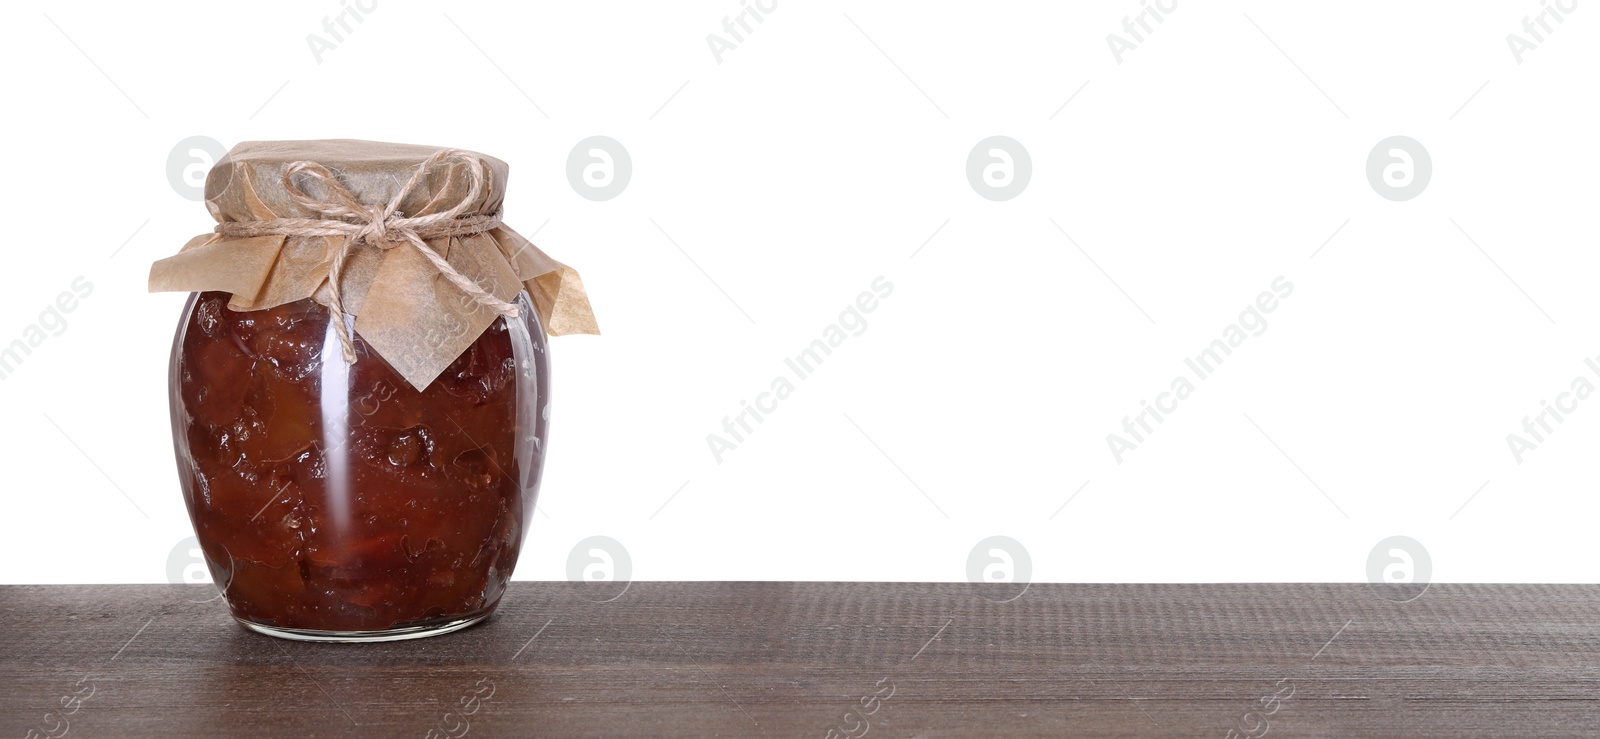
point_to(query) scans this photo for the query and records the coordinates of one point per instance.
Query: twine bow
(382, 226)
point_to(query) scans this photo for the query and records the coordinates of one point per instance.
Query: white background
(806, 164)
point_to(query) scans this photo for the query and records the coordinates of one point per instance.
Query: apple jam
(336, 497)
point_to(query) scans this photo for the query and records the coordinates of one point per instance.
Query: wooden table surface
(801, 659)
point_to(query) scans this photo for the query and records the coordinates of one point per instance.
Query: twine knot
(380, 226)
(376, 231)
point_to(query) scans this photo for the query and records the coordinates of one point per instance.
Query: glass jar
(335, 501)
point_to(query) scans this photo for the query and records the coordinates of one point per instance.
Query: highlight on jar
(360, 386)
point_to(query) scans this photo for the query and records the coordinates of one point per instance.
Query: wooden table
(793, 659)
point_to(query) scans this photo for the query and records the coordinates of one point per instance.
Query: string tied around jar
(381, 226)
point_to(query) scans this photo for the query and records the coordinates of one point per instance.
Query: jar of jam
(335, 495)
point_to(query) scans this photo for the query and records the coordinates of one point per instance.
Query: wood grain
(791, 659)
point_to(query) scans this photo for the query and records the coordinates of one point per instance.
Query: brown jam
(337, 497)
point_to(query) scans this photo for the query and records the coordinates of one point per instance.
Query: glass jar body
(333, 500)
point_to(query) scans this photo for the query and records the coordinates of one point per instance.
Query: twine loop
(381, 226)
